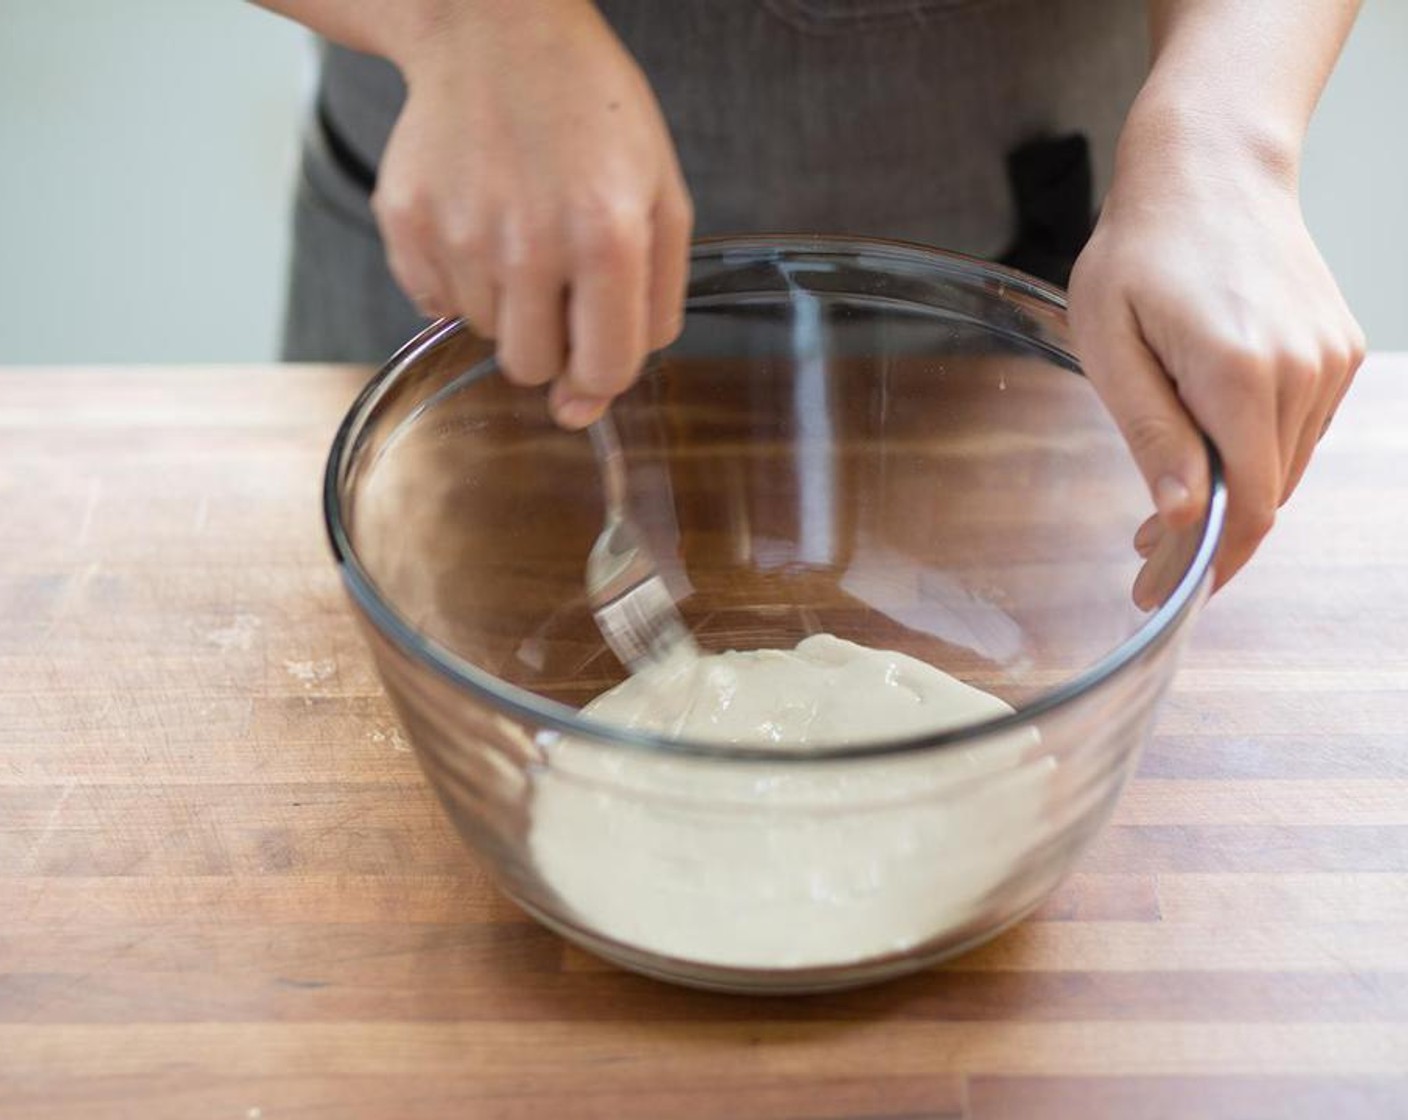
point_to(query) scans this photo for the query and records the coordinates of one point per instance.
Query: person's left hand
(1202, 302)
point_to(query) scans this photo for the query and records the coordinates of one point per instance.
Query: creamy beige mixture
(768, 865)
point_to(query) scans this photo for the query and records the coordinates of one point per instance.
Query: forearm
(397, 28)
(1237, 77)
(363, 25)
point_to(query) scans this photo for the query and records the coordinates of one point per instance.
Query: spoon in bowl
(633, 608)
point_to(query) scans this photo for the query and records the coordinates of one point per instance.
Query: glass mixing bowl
(878, 441)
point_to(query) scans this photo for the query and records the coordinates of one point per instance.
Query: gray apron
(892, 118)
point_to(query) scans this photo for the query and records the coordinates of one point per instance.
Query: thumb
(1163, 438)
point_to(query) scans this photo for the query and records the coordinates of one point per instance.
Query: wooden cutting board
(225, 890)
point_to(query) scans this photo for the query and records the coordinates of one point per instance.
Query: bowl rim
(546, 715)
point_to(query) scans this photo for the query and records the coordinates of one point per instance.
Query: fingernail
(1148, 535)
(1171, 495)
(1145, 548)
(1164, 567)
(578, 412)
(1141, 595)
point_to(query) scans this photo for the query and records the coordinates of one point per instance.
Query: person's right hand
(530, 186)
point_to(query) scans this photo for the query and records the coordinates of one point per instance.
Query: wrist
(1173, 135)
(424, 29)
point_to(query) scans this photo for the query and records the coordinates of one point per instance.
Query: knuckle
(525, 365)
(466, 237)
(610, 231)
(1356, 345)
(1256, 519)
(605, 381)
(526, 265)
(1337, 359)
(402, 212)
(1292, 481)
(679, 210)
(481, 322)
(1261, 521)
(476, 306)
(1300, 370)
(1342, 352)
(531, 245)
(1149, 432)
(666, 329)
(1242, 363)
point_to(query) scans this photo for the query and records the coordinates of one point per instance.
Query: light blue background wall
(147, 148)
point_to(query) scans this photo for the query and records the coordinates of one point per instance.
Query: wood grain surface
(225, 890)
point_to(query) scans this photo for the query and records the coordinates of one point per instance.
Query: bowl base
(731, 980)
